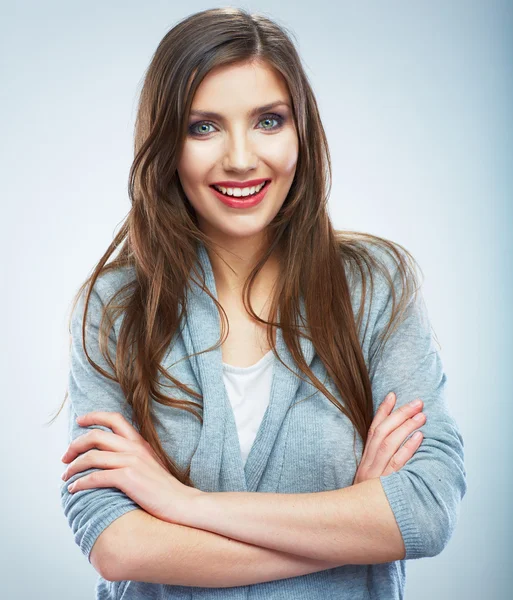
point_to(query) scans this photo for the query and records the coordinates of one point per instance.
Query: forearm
(144, 548)
(353, 525)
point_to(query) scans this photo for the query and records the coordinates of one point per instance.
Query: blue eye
(276, 118)
(271, 117)
(202, 124)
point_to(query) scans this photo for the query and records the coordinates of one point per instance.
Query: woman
(228, 466)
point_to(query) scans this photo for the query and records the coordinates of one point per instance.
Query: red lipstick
(241, 184)
(242, 201)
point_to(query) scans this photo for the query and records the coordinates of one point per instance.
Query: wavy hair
(159, 236)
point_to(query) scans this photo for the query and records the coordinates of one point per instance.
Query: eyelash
(274, 116)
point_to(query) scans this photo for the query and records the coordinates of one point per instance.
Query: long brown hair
(160, 234)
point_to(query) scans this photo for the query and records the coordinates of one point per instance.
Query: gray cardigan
(308, 448)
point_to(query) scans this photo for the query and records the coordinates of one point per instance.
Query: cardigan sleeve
(425, 494)
(90, 511)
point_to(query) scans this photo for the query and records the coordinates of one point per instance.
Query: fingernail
(390, 396)
(415, 403)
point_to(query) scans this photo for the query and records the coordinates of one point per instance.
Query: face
(240, 143)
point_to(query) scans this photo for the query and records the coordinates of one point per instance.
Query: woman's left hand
(129, 464)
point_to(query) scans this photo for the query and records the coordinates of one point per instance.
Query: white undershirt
(249, 390)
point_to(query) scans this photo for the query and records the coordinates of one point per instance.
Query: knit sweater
(300, 446)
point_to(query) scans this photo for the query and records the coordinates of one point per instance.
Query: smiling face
(241, 143)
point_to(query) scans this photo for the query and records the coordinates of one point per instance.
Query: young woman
(230, 436)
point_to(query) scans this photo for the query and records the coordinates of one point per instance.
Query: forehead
(239, 88)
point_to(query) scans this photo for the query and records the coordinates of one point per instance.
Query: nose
(239, 154)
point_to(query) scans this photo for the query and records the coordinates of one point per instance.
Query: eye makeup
(271, 116)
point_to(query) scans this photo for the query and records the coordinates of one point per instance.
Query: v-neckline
(217, 463)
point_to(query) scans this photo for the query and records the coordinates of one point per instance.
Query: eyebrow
(260, 109)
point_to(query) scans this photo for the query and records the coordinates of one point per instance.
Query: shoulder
(105, 289)
(109, 283)
(377, 263)
(114, 281)
(382, 280)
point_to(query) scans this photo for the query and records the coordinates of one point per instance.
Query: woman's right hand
(381, 455)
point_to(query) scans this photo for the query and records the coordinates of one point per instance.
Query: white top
(249, 390)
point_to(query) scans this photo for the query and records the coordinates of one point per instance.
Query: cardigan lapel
(217, 462)
(284, 388)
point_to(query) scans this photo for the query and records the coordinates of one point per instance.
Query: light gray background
(416, 99)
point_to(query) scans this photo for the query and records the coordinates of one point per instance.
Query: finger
(404, 454)
(96, 438)
(100, 459)
(391, 444)
(114, 420)
(98, 479)
(392, 421)
(384, 409)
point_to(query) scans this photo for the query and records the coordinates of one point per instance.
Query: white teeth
(237, 192)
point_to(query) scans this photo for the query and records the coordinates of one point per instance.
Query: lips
(239, 184)
(262, 186)
(242, 201)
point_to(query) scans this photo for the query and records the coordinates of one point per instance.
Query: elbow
(101, 559)
(437, 518)
(97, 518)
(426, 507)
(438, 526)
(441, 515)
(436, 536)
(111, 550)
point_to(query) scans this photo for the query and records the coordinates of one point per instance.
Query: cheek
(282, 156)
(290, 162)
(194, 163)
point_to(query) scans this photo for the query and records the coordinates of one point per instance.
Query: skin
(239, 147)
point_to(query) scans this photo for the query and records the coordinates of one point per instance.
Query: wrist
(189, 506)
(197, 509)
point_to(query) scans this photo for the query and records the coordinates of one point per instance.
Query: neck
(233, 264)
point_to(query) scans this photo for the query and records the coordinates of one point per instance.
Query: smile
(240, 201)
